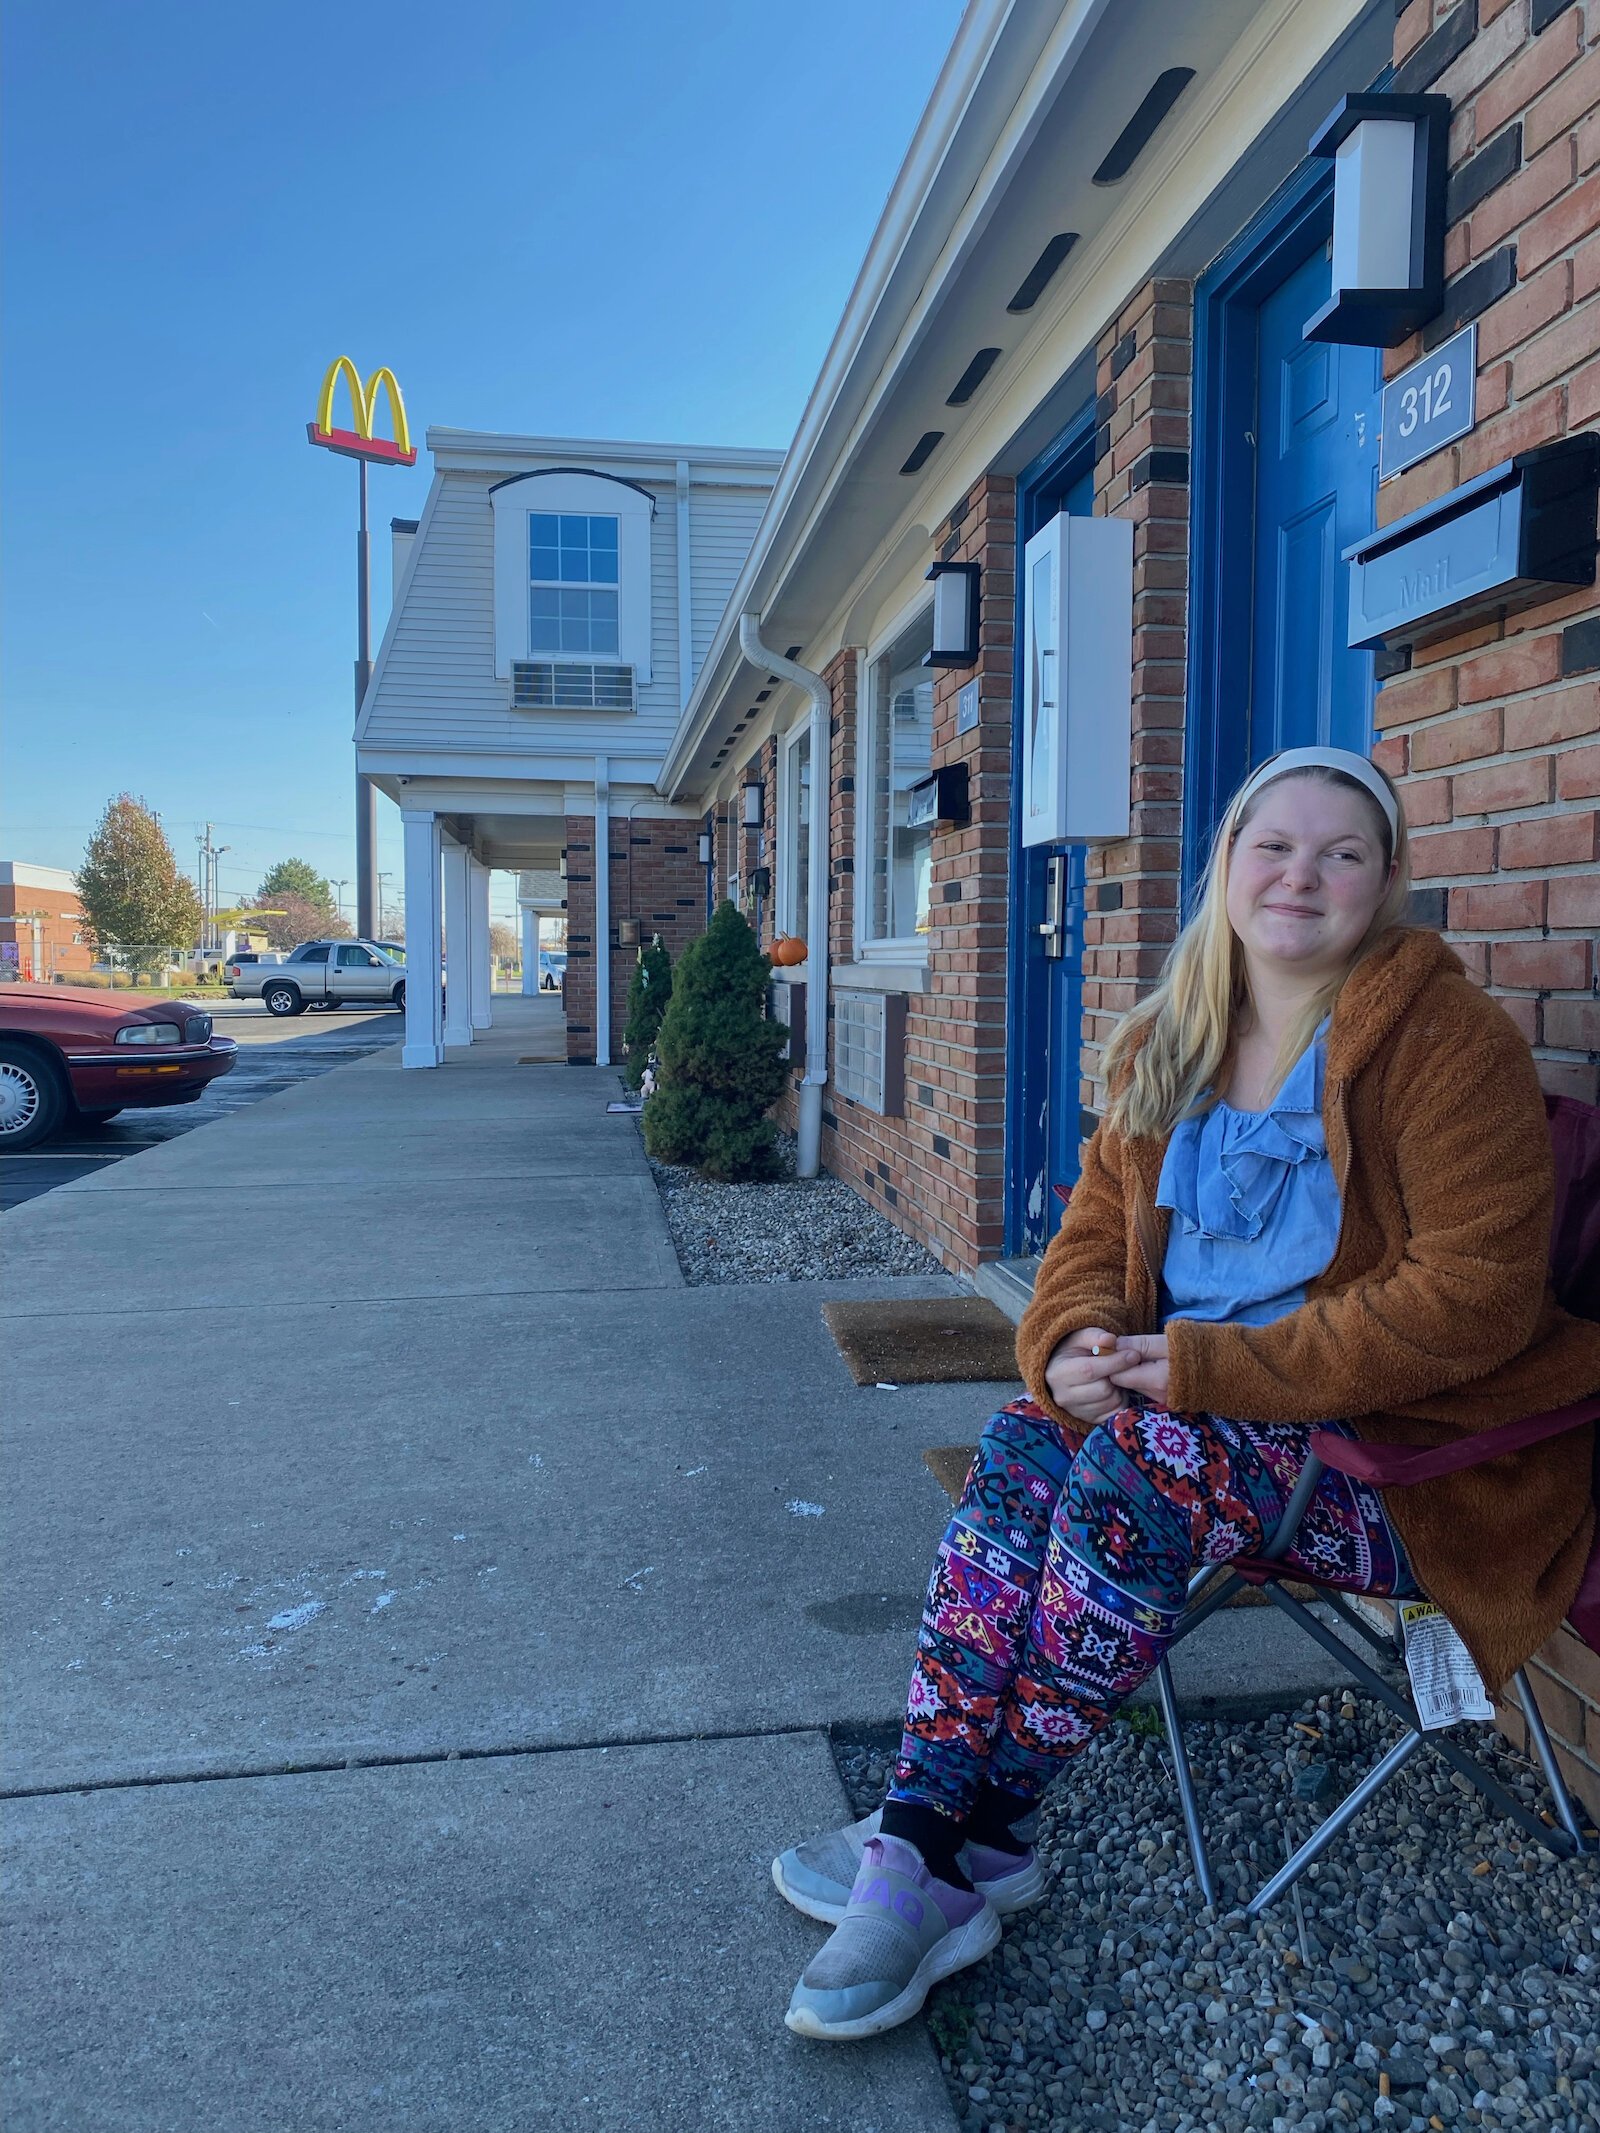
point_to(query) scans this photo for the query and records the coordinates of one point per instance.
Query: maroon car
(68, 1056)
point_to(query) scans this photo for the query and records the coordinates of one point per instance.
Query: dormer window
(573, 590)
(572, 583)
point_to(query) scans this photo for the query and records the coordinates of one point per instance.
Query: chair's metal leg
(1219, 1597)
(1341, 1817)
(1381, 1641)
(1185, 1777)
(1547, 1758)
(1553, 1840)
(1295, 1509)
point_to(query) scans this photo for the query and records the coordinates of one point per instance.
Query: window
(312, 952)
(795, 858)
(897, 750)
(357, 959)
(573, 581)
(561, 685)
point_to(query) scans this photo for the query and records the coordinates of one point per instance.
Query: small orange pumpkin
(787, 950)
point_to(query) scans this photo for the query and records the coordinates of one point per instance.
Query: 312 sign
(1430, 404)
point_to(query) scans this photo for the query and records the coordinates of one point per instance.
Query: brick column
(1144, 361)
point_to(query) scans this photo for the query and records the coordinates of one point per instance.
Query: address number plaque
(1431, 404)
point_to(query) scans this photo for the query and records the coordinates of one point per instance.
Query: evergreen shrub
(648, 994)
(720, 1064)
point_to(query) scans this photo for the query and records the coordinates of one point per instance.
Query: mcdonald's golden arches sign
(359, 442)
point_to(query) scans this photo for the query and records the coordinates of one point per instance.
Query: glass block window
(898, 751)
(572, 570)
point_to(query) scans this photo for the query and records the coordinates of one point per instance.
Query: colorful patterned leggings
(1061, 1580)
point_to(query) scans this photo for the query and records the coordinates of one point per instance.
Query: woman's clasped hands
(1092, 1372)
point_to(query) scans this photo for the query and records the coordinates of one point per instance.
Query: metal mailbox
(1509, 538)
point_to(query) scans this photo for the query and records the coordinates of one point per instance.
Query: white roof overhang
(1029, 101)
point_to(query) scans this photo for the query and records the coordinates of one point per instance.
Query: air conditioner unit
(562, 685)
(1077, 682)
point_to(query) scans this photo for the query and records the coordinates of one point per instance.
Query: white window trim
(903, 947)
(791, 919)
(593, 495)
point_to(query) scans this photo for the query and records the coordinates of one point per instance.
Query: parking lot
(273, 1055)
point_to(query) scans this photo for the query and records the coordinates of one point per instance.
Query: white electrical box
(1077, 681)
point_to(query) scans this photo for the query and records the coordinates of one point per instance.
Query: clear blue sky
(640, 220)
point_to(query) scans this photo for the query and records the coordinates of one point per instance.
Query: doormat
(925, 1340)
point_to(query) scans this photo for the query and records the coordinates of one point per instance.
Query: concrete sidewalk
(371, 1435)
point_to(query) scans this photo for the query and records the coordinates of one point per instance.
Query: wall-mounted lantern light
(1390, 160)
(563, 866)
(761, 881)
(955, 615)
(704, 848)
(753, 800)
(627, 933)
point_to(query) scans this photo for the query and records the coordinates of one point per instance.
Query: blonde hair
(1167, 1055)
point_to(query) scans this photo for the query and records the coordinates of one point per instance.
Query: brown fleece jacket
(1434, 1318)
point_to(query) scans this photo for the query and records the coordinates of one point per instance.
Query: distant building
(41, 923)
(553, 607)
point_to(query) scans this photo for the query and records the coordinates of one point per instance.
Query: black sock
(936, 1836)
(993, 1820)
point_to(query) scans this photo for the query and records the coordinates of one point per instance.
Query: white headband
(1342, 759)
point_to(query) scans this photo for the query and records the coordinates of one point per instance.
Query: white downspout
(808, 1155)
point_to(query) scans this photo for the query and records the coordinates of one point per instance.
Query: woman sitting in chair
(1321, 1194)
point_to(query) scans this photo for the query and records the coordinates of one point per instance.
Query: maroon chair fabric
(1575, 1277)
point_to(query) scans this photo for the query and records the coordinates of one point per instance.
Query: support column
(457, 947)
(480, 959)
(424, 1040)
(530, 950)
(602, 912)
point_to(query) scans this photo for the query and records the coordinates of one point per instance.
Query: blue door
(1044, 1113)
(1316, 439)
(1285, 471)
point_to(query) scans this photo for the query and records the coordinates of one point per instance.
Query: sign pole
(366, 796)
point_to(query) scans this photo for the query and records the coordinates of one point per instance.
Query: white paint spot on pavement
(799, 1508)
(297, 1617)
(384, 1599)
(633, 1582)
(356, 1576)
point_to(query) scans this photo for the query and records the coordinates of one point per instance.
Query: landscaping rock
(1120, 2003)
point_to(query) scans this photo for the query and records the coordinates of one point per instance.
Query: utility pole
(339, 888)
(379, 934)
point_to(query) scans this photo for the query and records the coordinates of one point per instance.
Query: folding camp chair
(1575, 1273)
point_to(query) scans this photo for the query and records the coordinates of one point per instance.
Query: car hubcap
(19, 1098)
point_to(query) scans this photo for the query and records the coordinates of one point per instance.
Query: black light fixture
(754, 797)
(955, 615)
(761, 881)
(1390, 157)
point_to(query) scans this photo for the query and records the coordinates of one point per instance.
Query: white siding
(437, 689)
(722, 525)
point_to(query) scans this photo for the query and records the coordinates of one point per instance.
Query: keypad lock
(1053, 926)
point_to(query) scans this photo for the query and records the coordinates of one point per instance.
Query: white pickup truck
(324, 974)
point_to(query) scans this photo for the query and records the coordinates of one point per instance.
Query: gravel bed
(796, 1229)
(1433, 1943)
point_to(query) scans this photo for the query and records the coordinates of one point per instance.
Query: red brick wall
(1494, 733)
(938, 1172)
(60, 918)
(656, 878)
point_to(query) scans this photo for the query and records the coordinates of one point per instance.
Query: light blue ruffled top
(1255, 1204)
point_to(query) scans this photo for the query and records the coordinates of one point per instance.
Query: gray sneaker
(902, 1932)
(816, 1876)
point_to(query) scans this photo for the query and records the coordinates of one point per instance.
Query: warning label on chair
(1446, 1685)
